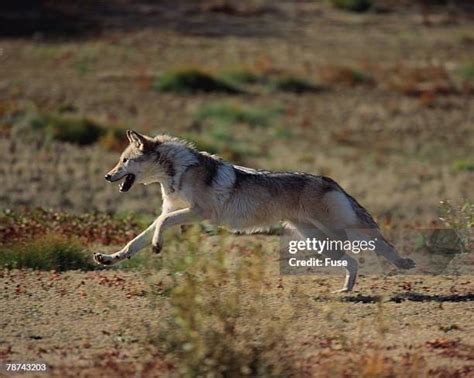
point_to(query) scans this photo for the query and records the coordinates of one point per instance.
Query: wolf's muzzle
(127, 183)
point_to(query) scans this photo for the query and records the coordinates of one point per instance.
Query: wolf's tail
(382, 247)
(405, 263)
(386, 249)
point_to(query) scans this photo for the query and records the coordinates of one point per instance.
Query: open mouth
(127, 183)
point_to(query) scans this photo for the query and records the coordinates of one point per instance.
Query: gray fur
(196, 186)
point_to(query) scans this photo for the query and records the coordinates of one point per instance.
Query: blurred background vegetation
(377, 94)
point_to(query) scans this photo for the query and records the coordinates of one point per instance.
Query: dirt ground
(85, 324)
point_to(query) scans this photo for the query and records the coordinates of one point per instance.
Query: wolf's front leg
(130, 249)
(165, 221)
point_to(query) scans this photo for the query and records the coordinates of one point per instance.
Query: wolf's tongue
(127, 183)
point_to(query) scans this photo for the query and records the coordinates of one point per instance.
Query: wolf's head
(138, 163)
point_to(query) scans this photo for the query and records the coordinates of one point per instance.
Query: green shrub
(457, 216)
(192, 81)
(228, 113)
(467, 72)
(241, 76)
(46, 253)
(360, 77)
(221, 321)
(456, 237)
(294, 85)
(81, 131)
(83, 66)
(353, 5)
(73, 130)
(463, 165)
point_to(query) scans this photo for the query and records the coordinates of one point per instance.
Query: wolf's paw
(101, 259)
(406, 264)
(343, 290)
(156, 248)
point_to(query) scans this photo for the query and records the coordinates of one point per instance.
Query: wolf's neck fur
(175, 156)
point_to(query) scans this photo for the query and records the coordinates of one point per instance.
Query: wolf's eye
(124, 160)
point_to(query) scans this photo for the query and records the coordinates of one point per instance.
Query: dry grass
(417, 81)
(233, 113)
(341, 75)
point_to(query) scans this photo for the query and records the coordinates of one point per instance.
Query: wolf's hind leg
(351, 266)
(316, 229)
(351, 274)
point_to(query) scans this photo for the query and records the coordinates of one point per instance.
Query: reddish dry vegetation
(425, 82)
(30, 224)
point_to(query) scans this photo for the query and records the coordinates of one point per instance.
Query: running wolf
(198, 186)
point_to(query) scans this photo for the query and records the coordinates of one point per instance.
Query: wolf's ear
(140, 141)
(129, 136)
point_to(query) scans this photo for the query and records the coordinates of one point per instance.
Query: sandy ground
(85, 323)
